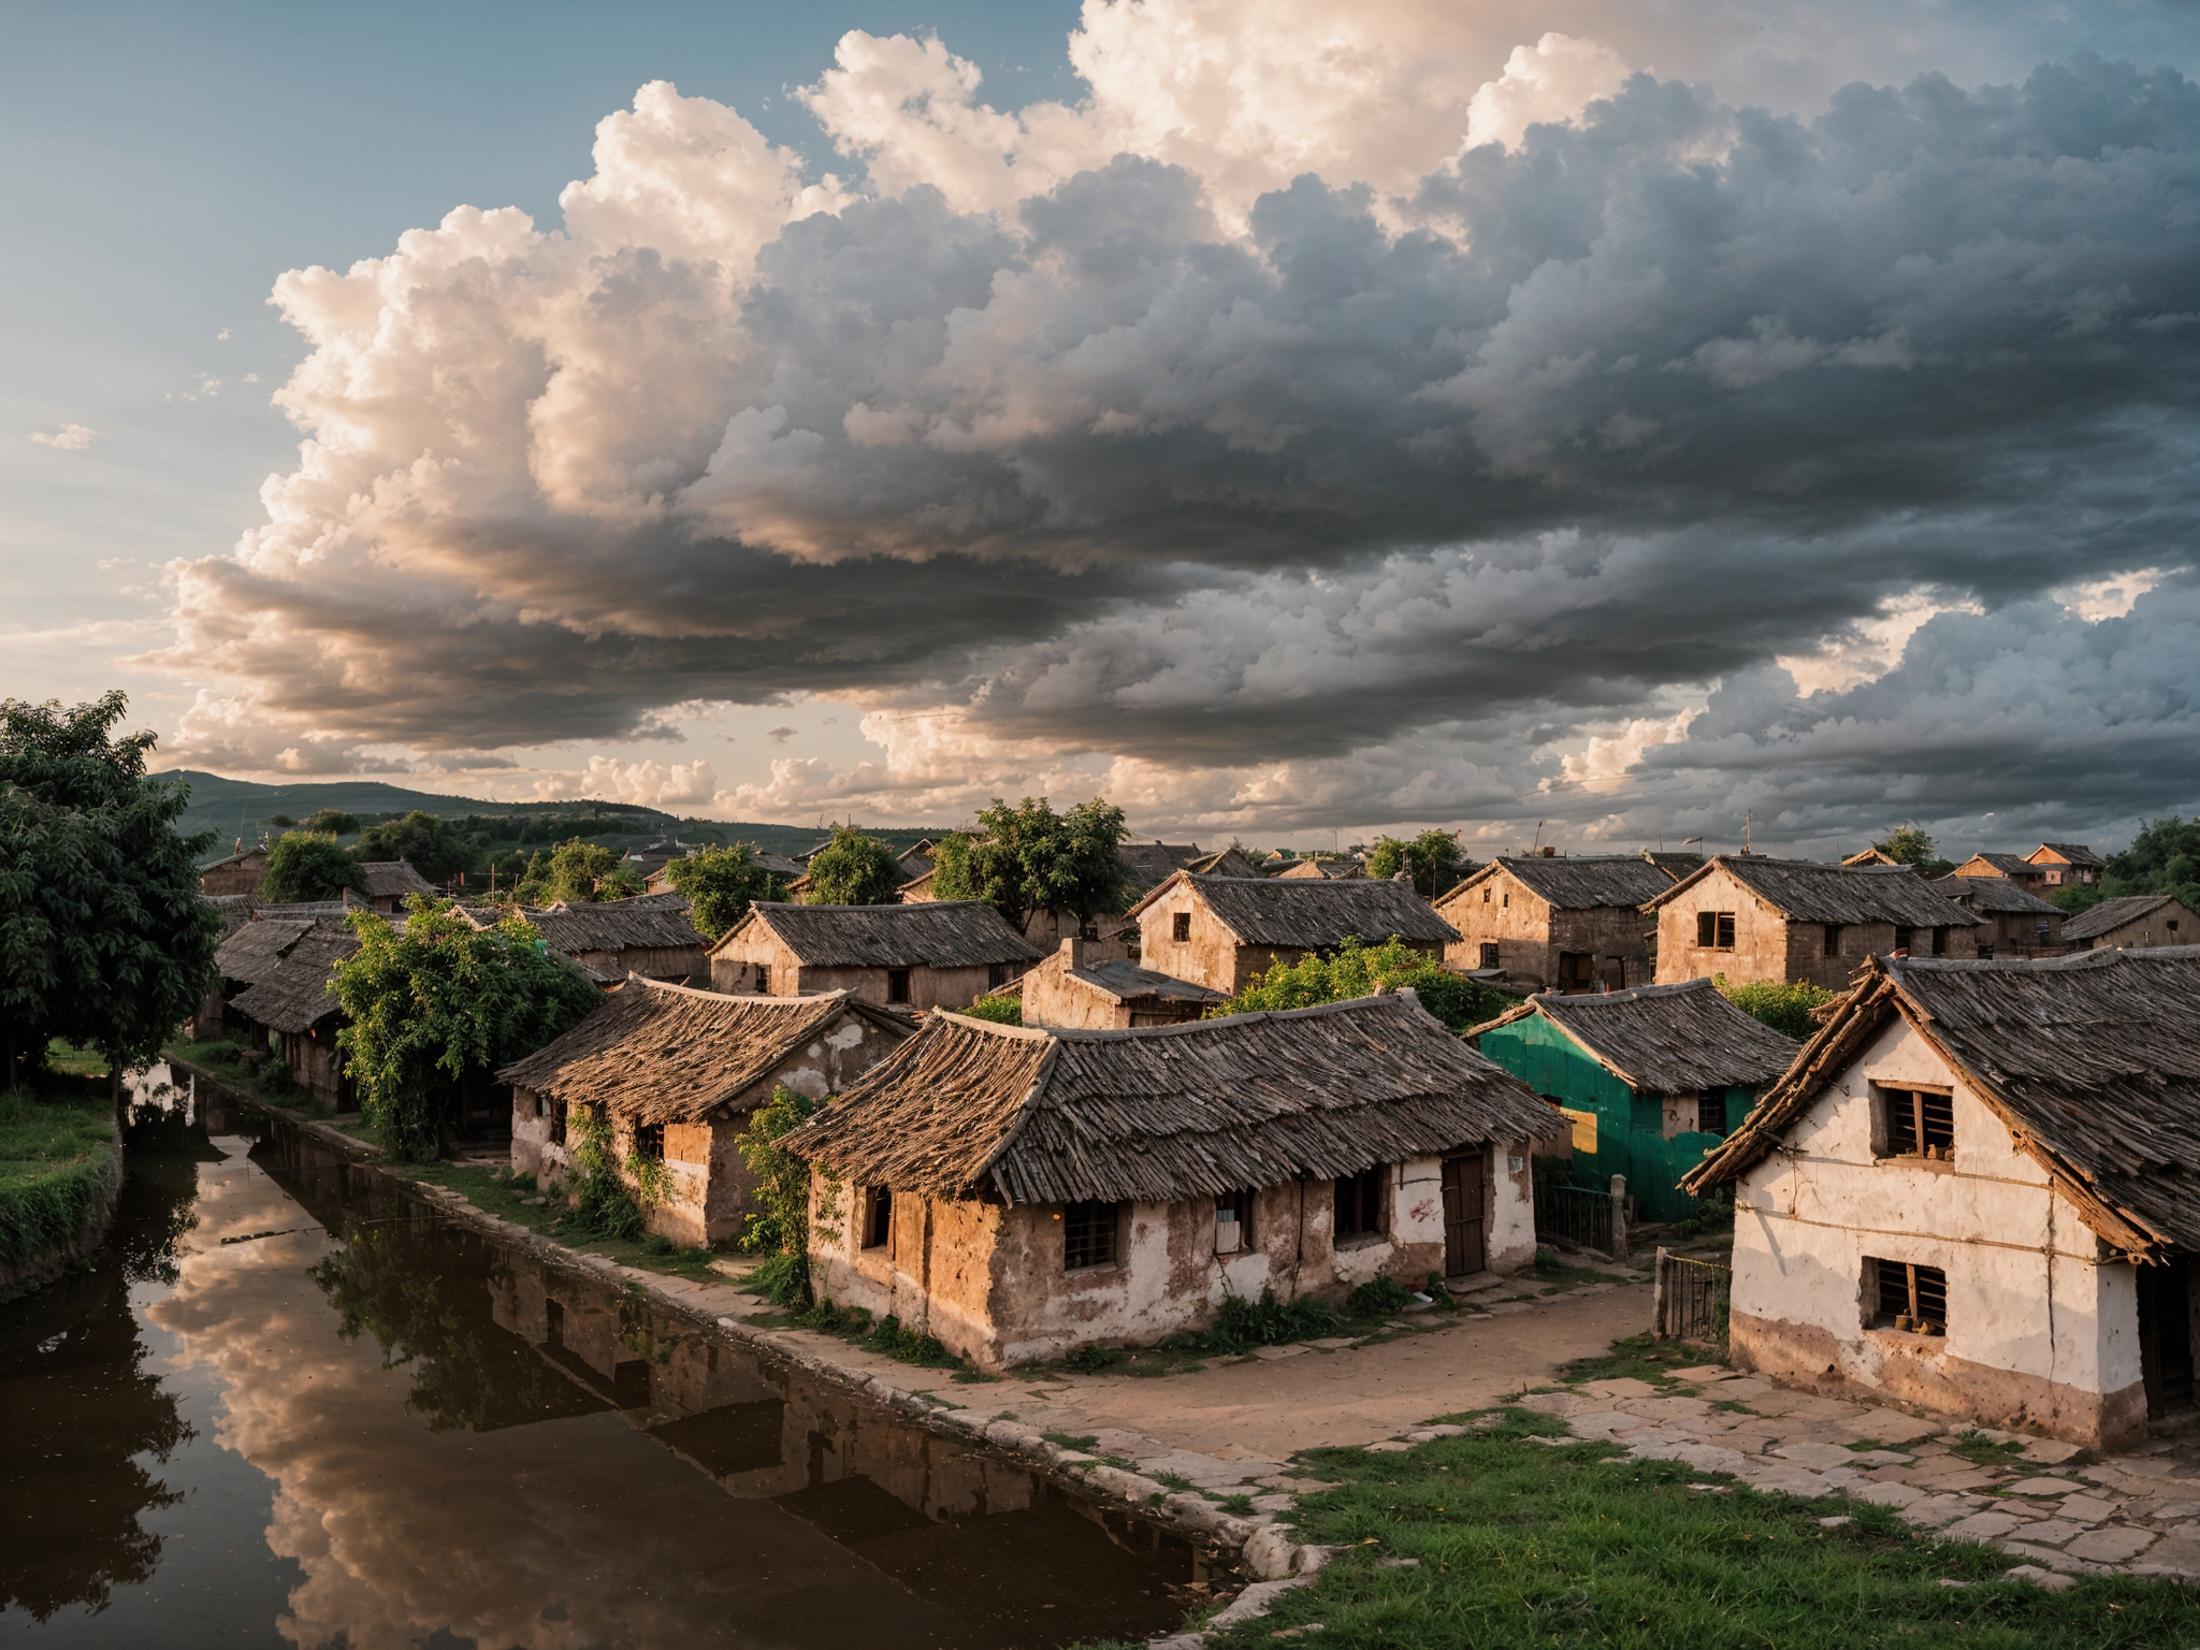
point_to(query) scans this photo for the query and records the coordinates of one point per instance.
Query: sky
(1591, 421)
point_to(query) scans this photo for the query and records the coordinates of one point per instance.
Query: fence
(1689, 1298)
(1588, 1217)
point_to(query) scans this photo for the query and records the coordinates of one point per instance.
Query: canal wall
(42, 1266)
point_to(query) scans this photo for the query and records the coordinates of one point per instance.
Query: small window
(2173, 925)
(1940, 941)
(1360, 1204)
(1485, 896)
(1710, 1113)
(878, 1217)
(1088, 1235)
(897, 985)
(1902, 1295)
(1233, 1222)
(554, 1110)
(1833, 939)
(1506, 901)
(1489, 954)
(649, 1141)
(1715, 930)
(1986, 950)
(1180, 926)
(1902, 939)
(1917, 1122)
(996, 976)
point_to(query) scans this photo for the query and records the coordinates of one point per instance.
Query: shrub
(602, 1205)
(1007, 1011)
(778, 1221)
(1786, 1008)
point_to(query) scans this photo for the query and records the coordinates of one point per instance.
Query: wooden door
(2165, 1336)
(1465, 1205)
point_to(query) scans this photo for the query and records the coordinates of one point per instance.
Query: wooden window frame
(1489, 954)
(1908, 1297)
(649, 1142)
(1907, 1127)
(1710, 1103)
(900, 985)
(1240, 1202)
(554, 1112)
(1715, 930)
(1180, 927)
(1832, 945)
(878, 1218)
(1092, 1236)
(1365, 1199)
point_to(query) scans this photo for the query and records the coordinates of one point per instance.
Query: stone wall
(678, 965)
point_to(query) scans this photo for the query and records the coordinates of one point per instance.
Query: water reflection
(451, 1444)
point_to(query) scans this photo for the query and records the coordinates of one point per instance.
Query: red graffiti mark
(1423, 1210)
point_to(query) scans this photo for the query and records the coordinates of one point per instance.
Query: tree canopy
(333, 821)
(1786, 1006)
(1028, 858)
(1907, 845)
(577, 871)
(103, 937)
(307, 865)
(1432, 860)
(434, 1010)
(854, 869)
(1357, 970)
(720, 884)
(435, 850)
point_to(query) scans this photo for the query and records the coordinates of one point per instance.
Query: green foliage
(602, 1205)
(2164, 858)
(1787, 1008)
(577, 872)
(1269, 1322)
(436, 1009)
(2074, 897)
(854, 869)
(327, 821)
(888, 1335)
(1432, 859)
(1357, 970)
(1378, 1298)
(720, 884)
(1907, 845)
(778, 1221)
(1007, 1011)
(54, 1152)
(1029, 858)
(429, 843)
(304, 865)
(104, 940)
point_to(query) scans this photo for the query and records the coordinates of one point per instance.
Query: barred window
(649, 1141)
(1916, 1122)
(1489, 954)
(1089, 1235)
(1710, 1112)
(1180, 926)
(1715, 930)
(1903, 1295)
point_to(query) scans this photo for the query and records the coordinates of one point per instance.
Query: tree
(1907, 845)
(282, 822)
(1432, 860)
(1786, 1007)
(1029, 858)
(577, 871)
(431, 845)
(2164, 858)
(305, 865)
(720, 884)
(854, 869)
(329, 821)
(1357, 970)
(435, 1010)
(103, 937)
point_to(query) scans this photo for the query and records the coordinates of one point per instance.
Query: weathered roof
(967, 1108)
(256, 851)
(928, 934)
(671, 1054)
(391, 879)
(254, 947)
(2008, 865)
(1664, 1038)
(1125, 981)
(1674, 862)
(1335, 870)
(2076, 853)
(1996, 896)
(1310, 914)
(294, 994)
(1226, 862)
(1808, 891)
(1577, 884)
(1870, 856)
(2111, 914)
(2092, 1060)
(647, 922)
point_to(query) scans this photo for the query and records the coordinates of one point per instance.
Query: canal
(287, 1406)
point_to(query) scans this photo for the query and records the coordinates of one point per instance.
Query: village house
(1749, 917)
(386, 884)
(1078, 990)
(1336, 870)
(2067, 864)
(1020, 1193)
(1871, 856)
(938, 954)
(290, 1010)
(1650, 1078)
(2014, 922)
(1146, 865)
(1567, 924)
(255, 939)
(2012, 867)
(2133, 922)
(1977, 1193)
(651, 935)
(1224, 932)
(675, 1074)
(240, 873)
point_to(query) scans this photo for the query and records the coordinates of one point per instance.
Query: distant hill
(235, 809)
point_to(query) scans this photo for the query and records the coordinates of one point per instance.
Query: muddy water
(287, 1408)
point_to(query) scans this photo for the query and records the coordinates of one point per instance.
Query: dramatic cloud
(70, 438)
(1441, 410)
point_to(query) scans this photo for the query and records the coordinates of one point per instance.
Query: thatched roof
(647, 922)
(930, 934)
(1585, 883)
(671, 1054)
(391, 879)
(2077, 853)
(2111, 914)
(967, 1108)
(294, 995)
(2093, 1062)
(1804, 890)
(254, 948)
(1664, 1039)
(1994, 896)
(1313, 914)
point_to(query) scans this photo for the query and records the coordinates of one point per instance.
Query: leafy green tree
(435, 1010)
(577, 871)
(104, 940)
(328, 821)
(434, 849)
(1787, 1008)
(720, 884)
(777, 1225)
(1028, 858)
(854, 869)
(1907, 845)
(1432, 860)
(1357, 970)
(2164, 858)
(281, 822)
(305, 865)
(2075, 897)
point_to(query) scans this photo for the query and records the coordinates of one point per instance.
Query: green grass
(54, 1151)
(71, 1060)
(1981, 1451)
(501, 1193)
(1576, 1545)
(1558, 1276)
(1639, 1357)
(223, 1057)
(1245, 1324)
(888, 1335)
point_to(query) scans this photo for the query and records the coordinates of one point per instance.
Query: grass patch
(1640, 1358)
(1239, 1503)
(1083, 1442)
(505, 1195)
(54, 1150)
(73, 1060)
(1563, 1544)
(888, 1335)
(1245, 1324)
(270, 1085)
(1557, 1276)
(1981, 1451)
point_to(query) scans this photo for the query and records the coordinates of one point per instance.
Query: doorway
(1577, 972)
(1466, 1202)
(2165, 1336)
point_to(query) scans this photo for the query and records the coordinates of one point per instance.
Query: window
(554, 1112)
(1485, 896)
(1088, 1235)
(1833, 939)
(1507, 900)
(1986, 949)
(1940, 941)
(1917, 1122)
(1489, 954)
(1360, 1204)
(1902, 938)
(1180, 926)
(897, 985)
(996, 976)
(1233, 1222)
(1902, 1295)
(1710, 1112)
(1715, 930)
(649, 1141)
(878, 1216)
